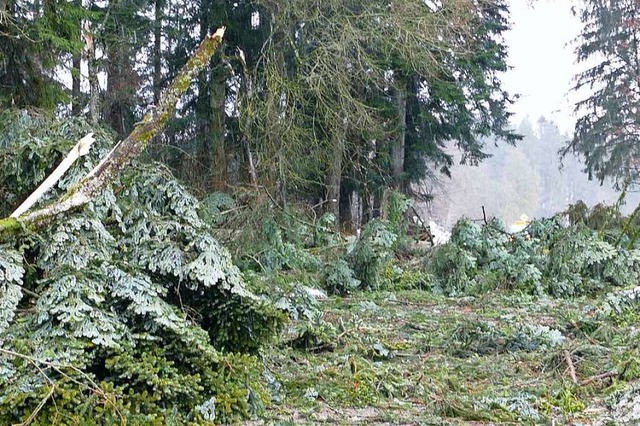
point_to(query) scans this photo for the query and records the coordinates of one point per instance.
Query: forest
(218, 212)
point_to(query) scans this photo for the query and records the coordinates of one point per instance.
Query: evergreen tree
(464, 102)
(37, 40)
(383, 86)
(607, 131)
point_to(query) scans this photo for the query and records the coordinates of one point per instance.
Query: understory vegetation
(537, 327)
(526, 328)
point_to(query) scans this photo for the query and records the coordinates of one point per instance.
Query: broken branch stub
(137, 141)
(79, 150)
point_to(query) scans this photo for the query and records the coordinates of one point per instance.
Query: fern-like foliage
(546, 259)
(129, 303)
(371, 252)
(11, 273)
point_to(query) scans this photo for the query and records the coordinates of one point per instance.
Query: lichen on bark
(137, 141)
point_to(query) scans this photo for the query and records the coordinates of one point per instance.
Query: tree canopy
(606, 133)
(329, 102)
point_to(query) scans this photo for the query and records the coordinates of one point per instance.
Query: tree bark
(346, 205)
(76, 105)
(157, 50)
(247, 123)
(334, 175)
(124, 151)
(122, 79)
(76, 61)
(218, 96)
(398, 149)
(94, 86)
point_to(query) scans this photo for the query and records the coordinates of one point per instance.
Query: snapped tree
(127, 310)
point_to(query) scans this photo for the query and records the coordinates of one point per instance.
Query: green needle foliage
(547, 259)
(606, 133)
(128, 311)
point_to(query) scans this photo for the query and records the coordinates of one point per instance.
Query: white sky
(543, 61)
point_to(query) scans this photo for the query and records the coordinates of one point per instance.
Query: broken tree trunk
(126, 150)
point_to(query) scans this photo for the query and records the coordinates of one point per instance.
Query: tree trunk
(398, 149)
(378, 195)
(94, 86)
(157, 50)
(120, 94)
(345, 214)
(124, 151)
(334, 175)
(218, 96)
(246, 126)
(76, 61)
(76, 104)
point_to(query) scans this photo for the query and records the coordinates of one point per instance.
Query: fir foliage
(547, 258)
(606, 131)
(129, 307)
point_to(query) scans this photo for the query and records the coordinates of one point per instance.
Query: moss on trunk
(137, 141)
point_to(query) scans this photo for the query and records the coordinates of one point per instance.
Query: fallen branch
(107, 398)
(120, 156)
(572, 370)
(598, 377)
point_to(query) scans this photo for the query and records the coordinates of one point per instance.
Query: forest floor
(413, 358)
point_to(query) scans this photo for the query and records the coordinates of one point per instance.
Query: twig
(335, 410)
(35, 412)
(333, 246)
(598, 377)
(93, 386)
(572, 370)
(255, 259)
(231, 210)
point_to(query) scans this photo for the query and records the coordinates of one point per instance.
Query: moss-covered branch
(137, 141)
(9, 226)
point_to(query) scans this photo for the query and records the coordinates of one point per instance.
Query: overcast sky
(543, 62)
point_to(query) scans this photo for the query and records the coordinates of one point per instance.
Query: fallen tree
(152, 123)
(117, 304)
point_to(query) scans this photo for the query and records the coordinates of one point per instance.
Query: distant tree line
(530, 179)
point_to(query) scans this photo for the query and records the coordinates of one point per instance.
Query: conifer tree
(36, 40)
(607, 133)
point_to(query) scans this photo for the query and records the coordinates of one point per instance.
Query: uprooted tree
(117, 305)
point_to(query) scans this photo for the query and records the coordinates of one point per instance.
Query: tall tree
(607, 132)
(211, 146)
(36, 38)
(400, 77)
(464, 102)
(123, 33)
